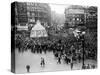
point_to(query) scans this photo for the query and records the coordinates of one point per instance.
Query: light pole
(82, 37)
(83, 42)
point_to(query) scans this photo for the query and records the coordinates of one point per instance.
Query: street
(28, 58)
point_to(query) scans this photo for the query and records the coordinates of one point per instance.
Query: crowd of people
(66, 46)
(67, 49)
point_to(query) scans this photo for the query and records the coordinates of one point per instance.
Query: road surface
(28, 58)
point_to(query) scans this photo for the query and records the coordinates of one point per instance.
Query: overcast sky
(58, 8)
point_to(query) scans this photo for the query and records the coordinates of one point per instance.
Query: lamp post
(83, 41)
(80, 36)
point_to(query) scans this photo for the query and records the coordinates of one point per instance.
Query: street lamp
(80, 36)
(83, 41)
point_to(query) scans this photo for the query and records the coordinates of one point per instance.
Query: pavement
(34, 59)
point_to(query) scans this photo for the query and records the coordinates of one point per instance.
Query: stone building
(25, 14)
(91, 19)
(79, 16)
(39, 11)
(75, 16)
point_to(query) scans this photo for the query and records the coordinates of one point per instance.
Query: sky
(58, 8)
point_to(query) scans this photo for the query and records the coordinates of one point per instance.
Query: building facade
(75, 16)
(27, 13)
(91, 18)
(39, 11)
(81, 16)
(19, 15)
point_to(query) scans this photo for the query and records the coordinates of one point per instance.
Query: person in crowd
(88, 66)
(28, 68)
(67, 60)
(59, 60)
(42, 62)
(71, 65)
(84, 66)
(79, 58)
(93, 66)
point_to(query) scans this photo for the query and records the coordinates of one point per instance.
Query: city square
(53, 37)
